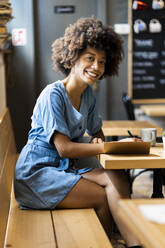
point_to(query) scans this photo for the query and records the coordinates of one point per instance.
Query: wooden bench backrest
(7, 165)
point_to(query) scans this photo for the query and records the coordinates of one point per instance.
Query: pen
(130, 134)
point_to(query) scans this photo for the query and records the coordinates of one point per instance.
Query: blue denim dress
(42, 178)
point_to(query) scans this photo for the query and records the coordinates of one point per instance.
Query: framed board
(146, 51)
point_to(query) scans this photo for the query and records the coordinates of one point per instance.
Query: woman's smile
(92, 74)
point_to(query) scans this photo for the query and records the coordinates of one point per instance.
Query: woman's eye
(102, 62)
(90, 58)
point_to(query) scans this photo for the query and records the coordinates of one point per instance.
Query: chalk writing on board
(143, 64)
(142, 71)
(144, 86)
(146, 55)
(162, 63)
(162, 81)
(144, 78)
(163, 53)
(137, 79)
(144, 43)
(162, 71)
(148, 78)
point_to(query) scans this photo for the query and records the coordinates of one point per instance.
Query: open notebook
(115, 147)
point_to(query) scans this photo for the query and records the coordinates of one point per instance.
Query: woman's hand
(96, 140)
(98, 137)
(131, 140)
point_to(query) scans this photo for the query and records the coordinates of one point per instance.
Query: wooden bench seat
(68, 228)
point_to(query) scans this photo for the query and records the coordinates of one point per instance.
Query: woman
(55, 168)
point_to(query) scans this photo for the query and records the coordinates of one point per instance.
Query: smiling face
(90, 66)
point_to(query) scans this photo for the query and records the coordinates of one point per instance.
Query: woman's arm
(69, 149)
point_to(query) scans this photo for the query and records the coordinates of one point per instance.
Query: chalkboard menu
(148, 50)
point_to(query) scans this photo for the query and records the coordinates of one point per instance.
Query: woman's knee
(115, 180)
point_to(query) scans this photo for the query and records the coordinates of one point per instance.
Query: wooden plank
(79, 228)
(120, 127)
(5, 133)
(145, 101)
(130, 52)
(153, 110)
(156, 159)
(29, 228)
(2, 79)
(6, 174)
(118, 162)
(151, 235)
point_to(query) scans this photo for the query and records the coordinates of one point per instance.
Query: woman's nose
(95, 65)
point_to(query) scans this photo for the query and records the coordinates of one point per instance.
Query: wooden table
(149, 234)
(120, 127)
(153, 110)
(155, 160)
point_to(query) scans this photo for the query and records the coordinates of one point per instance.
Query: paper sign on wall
(19, 37)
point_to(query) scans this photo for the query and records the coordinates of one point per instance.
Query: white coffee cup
(157, 4)
(149, 134)
(139, 26)
(155, 26)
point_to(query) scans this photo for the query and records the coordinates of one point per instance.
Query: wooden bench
(69, 228)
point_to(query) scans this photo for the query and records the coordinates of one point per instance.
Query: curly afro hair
(78, 36)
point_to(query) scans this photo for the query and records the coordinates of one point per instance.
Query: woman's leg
(88, 194)
(116, 186)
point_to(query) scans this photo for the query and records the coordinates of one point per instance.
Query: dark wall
(20, 72)
(117, 12)
(26, 77)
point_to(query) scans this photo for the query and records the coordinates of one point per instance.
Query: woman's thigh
(85, 194)
(90, 190)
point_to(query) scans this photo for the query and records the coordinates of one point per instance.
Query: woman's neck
(73, 86)
(74, 91)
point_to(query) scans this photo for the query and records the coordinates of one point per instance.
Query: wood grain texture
(151, 235)
(5, 133)
(121, 127)
(29, 228)
(130, 50)
(7, 165)
(156, 159)
(153, 110)
(79, 228)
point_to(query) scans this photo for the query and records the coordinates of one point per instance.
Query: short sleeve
(53, 114)
(94, 121)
